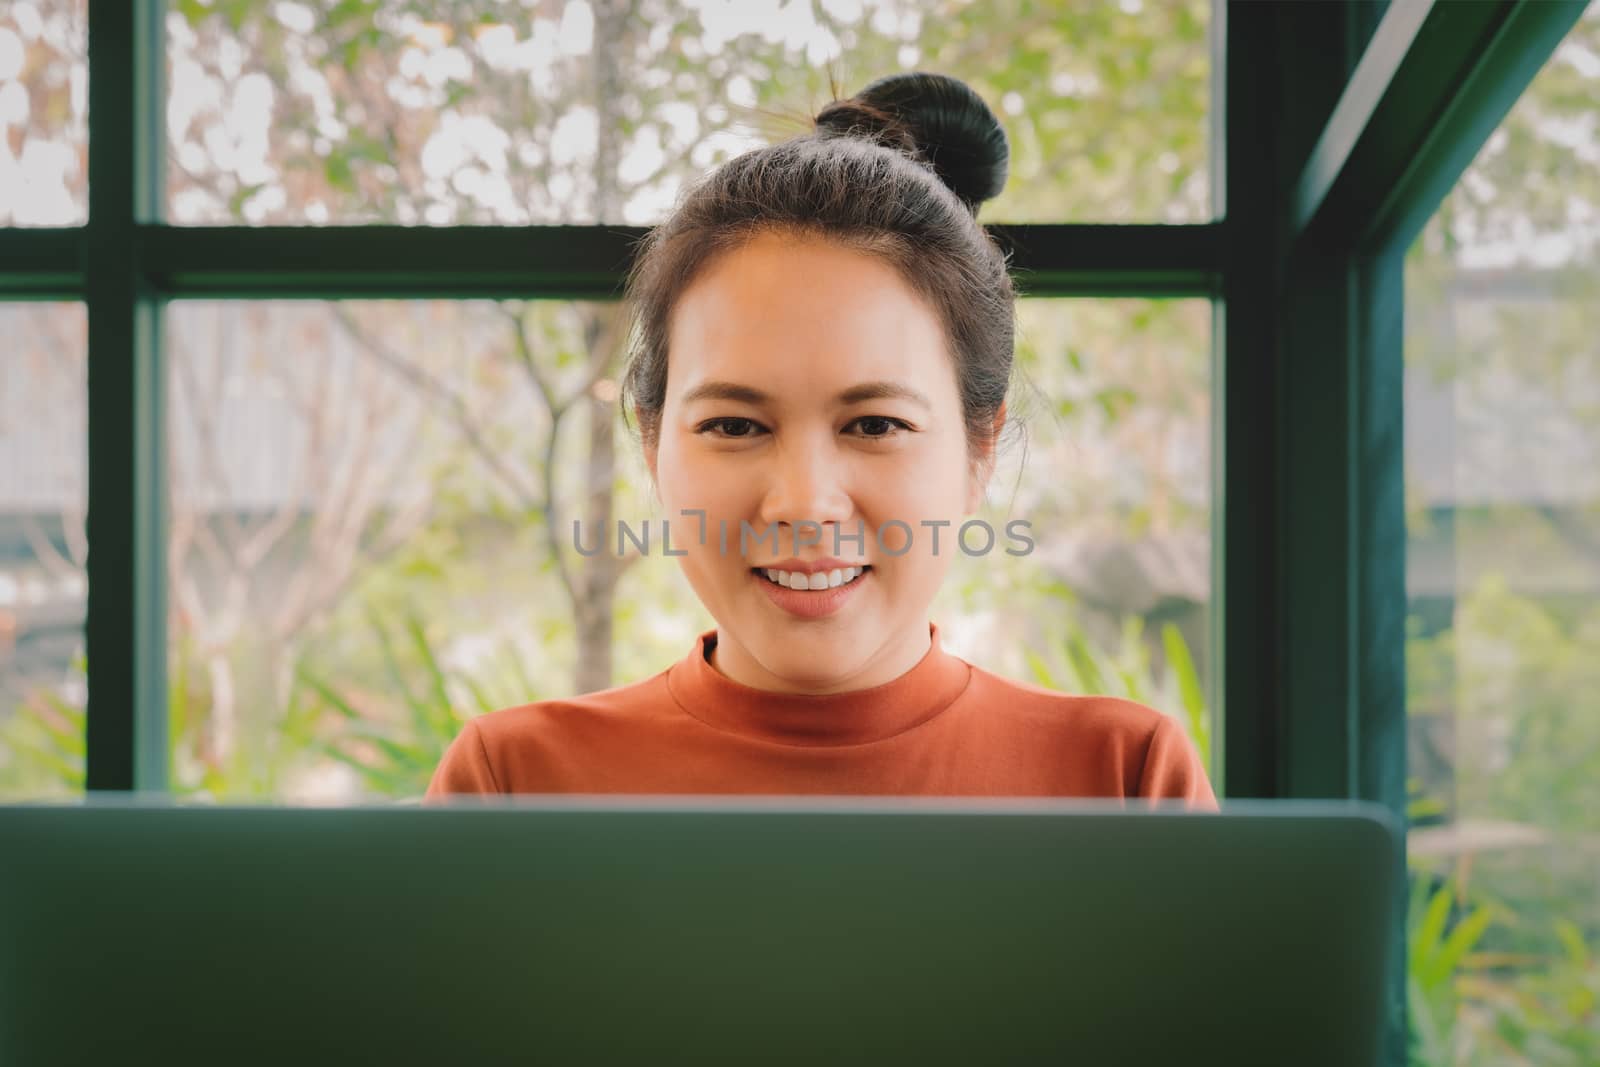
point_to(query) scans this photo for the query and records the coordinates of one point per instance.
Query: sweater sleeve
(1172, 769)
(464, 768)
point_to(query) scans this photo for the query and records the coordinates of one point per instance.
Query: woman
(822, 358)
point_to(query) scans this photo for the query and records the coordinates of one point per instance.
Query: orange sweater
(944, 727)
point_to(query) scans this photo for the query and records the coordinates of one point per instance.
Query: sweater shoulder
(1043, 707)
(514, 724)
(1120, 747)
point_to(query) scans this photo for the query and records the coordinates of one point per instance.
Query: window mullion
(126, 619)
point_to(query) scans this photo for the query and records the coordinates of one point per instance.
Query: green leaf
(1462, 939)
(1116, 401)
(237, 201)
(1427, 1045)
(1083, 662)
(336, 168)
(327, 693)
(1191, 693)
(1041, 670)
(395, 672)
(1427, 934)
(237, 12)
(479, 698)
(441, 721)
(1571, 938)
(194, 11)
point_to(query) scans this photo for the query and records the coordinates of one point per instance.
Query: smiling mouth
(767, 578)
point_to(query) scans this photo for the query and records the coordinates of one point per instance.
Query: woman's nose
(807, 484)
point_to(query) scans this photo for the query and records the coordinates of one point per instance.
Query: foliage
(1076, 664)
(1503, 654)
(43, 745)
(406, 111)
(1470, 1005)
(1519, 982)
(397, 762)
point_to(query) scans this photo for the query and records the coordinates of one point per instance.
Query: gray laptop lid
(695, 930)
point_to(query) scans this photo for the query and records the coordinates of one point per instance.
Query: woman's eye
(872, 427)
(879, 426)
(730, 426)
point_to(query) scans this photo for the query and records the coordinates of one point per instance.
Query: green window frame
(1325, 166)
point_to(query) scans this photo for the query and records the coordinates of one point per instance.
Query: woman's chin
(809, 657)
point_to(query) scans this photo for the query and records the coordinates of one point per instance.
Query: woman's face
(766, 347)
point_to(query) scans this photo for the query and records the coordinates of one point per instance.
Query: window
(1503, 492)
(359, 558)
(43, 493)
(479, 112)
(44, 105)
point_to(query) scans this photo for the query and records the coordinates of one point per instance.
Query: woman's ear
(983, 462)
(651, 448)
(647, 442)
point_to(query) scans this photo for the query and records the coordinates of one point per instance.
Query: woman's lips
(810, 603)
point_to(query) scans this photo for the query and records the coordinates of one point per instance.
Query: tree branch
(448, 401)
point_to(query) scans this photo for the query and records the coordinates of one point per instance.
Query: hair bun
(937, 119)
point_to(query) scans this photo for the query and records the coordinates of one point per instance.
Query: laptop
(588, 929)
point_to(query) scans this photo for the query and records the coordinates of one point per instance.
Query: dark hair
(897, 171)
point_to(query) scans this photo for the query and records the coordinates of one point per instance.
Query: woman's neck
(733, 660)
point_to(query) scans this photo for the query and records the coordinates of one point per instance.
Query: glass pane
(1503, 487)
(44, 104)
(43, 588)
(1115, 484)
(317, 111)
(360, 559)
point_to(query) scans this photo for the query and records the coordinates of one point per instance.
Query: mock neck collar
(849, 718)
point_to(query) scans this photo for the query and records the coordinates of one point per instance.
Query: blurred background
(369, 498)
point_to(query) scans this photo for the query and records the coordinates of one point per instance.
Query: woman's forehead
(790, 281)
(772, 314)
(810, 372)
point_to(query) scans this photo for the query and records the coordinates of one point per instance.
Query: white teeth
(820, 580)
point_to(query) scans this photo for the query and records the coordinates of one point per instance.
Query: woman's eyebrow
(747, 394)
